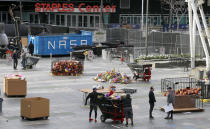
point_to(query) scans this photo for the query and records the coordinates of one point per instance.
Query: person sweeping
(15, 59)
(23, 62)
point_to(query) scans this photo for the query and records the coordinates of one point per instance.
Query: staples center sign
(69, 7)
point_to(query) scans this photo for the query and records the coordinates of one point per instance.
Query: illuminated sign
(69, 7)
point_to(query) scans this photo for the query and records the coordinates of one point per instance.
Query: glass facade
(76, 20)
(155, 20)
(72, 20)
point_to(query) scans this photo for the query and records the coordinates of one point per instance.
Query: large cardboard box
(35, 107)
(184, 102)
(15, 86)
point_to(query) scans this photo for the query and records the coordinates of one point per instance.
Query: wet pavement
(66, 104)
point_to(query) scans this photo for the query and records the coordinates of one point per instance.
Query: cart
(111, 109)
(103, 91)
(30, 61)
(141, 71)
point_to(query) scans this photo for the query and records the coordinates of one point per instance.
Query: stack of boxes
(31, 108)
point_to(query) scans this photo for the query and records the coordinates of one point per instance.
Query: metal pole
(21, 15)
(204, 23)
(146, 41)
(142, 14)
(190, 33)
(101, 19)
(193, 44)
(201, 34)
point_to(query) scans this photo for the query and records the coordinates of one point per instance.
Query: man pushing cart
(116, 108)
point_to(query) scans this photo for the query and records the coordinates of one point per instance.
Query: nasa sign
(59, 44)
(64, 44)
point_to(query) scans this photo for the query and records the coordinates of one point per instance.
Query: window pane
(128, 20)
(57, 19)
(74, 21)
(135, 20)
(131, 20)
(139, 20)
(155, 21)
(4, 17)
(31, 18)
(97, 21)
(69, 20)
(125, 4)
(91, 21)
(85, 21)
(52, 18)
(62, 20)
(43, 18)
(80, 21)
(36, 18)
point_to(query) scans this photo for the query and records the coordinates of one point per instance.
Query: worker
(93, 103)
(9, 56)
(208, 75)
(31, 48)
(135, 76)
(113, 89)
(170, 100)
(128, 109)
(122, 59)
(23, 62)
(152, 101)
(15, 59)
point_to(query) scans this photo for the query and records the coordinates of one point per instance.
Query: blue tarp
(59, 44)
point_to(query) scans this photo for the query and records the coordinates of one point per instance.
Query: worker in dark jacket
(128, 109)
(170, 100)
(15, 59)
(31, 48)
(23, 62)
(93, 103)
(208, 75)
(152, 101)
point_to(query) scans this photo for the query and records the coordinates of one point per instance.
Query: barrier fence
(159, 43)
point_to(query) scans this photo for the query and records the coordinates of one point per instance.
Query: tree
(177, 8)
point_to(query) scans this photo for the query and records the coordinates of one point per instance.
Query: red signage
(69, 7)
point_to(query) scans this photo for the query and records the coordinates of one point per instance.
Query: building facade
(124, 12)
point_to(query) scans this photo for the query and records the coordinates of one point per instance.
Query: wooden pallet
(180, 110)
(33, 119)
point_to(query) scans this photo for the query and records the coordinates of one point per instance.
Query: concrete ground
(66, 104)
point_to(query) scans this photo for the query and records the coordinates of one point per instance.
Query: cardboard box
(35, 107)
(24, 41)
(15, 87)
(184, 102)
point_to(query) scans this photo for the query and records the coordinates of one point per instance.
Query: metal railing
(178, 83)
(205, 90)
(185, 82)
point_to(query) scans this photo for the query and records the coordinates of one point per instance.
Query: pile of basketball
(67, 68)
(186, 91)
